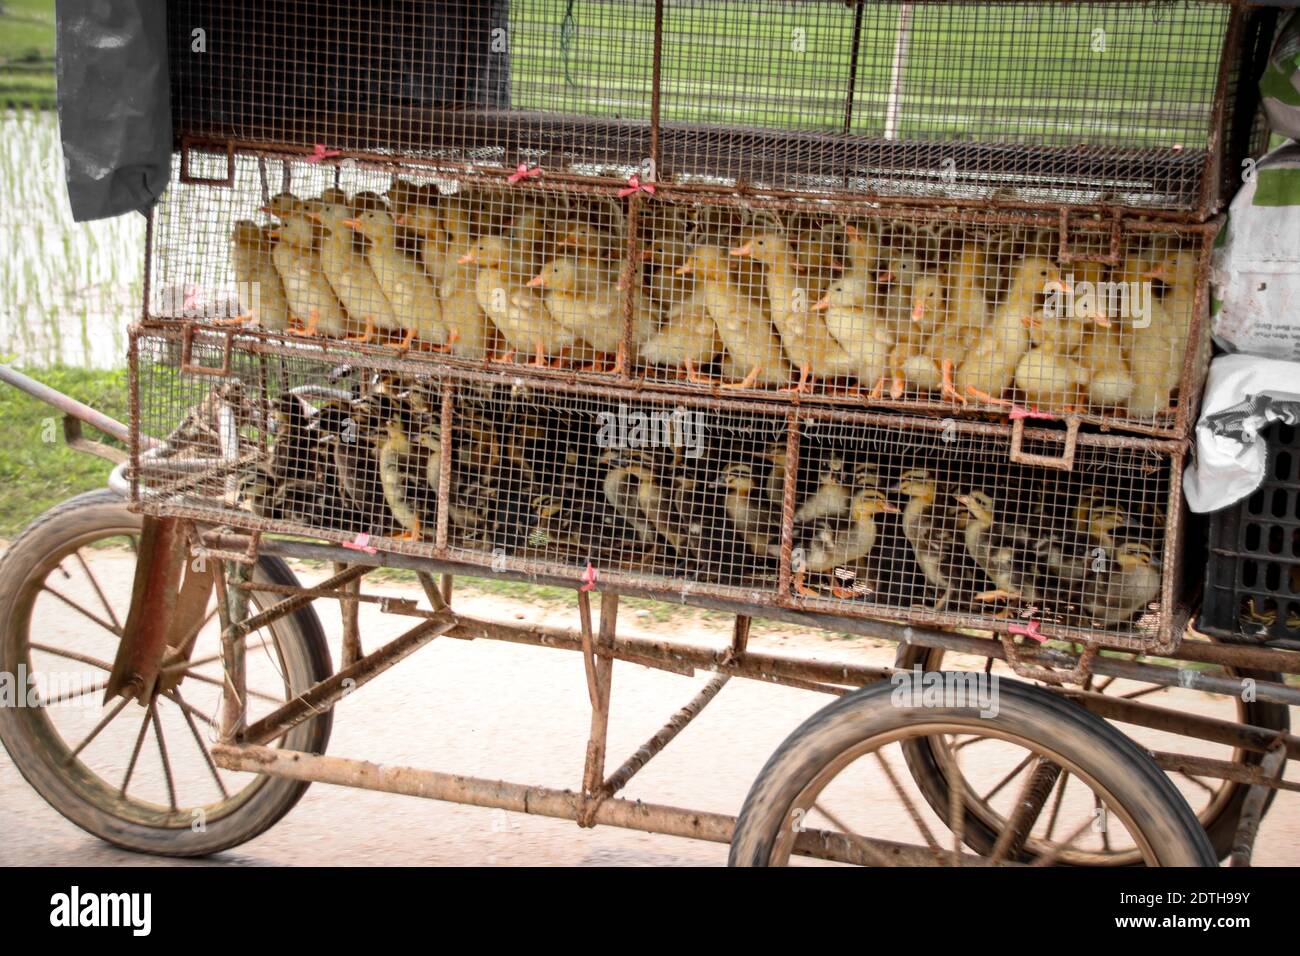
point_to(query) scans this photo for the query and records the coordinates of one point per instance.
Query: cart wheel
(139, 777)
(818, 777)
(1217, 803)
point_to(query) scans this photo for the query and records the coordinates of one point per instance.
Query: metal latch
(1063, 462)
(188, 365)
(1066, 255)
(189, 146)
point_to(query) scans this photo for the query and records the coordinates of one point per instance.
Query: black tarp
(114, 104)
(131, 80)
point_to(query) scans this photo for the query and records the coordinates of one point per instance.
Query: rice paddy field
(67, 290)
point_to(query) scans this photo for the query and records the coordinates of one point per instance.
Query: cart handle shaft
(67, 404)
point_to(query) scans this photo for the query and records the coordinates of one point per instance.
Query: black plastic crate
(1252, 580)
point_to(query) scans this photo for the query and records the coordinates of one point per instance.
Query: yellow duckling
(753, 348)
(412, 294)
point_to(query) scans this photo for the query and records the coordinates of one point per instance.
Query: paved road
(505, 711)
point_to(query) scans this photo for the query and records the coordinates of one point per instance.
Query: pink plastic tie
(635, 185)
(523, 171)
(1018, 412)
(1029, 630)
(319, 152)
(361, 543)
(588, 578)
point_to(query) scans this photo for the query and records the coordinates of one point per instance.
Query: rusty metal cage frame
(506, 138)
(450, 384)
(1095, 238)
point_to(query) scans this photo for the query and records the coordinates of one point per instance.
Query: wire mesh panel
(411, 258)
(958, 312)
(1064, 102)
(558, 82)
(1046, 102)
(906, 519)
(939, 524)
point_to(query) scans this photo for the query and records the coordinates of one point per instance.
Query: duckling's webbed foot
(748, 381)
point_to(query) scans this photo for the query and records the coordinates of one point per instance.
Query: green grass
(27, 54)
(36, 472)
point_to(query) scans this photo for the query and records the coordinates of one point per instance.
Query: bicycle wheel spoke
(204, 678)
(69, 695)
(1026, 810)
(135, 752)
(877, 858)
(907, 802)
(162, 753)
(198, 739)
(94, 583)
(211, 658)
(1006, 780)
(1054, 850)
(104, 722)
(175, 697)
(117, 632)
(975, 739)
(1056, 804)
(72, 656)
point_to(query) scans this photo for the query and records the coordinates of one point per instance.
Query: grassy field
(27, 54)
(37, 470)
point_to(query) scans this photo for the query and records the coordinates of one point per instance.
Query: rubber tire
(1222, 829)
(1117, 764)
(307, 661)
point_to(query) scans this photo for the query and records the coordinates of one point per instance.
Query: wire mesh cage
(1103, 102)
(861, 514)
(948, 311)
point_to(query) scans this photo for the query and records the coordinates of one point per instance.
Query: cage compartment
(268, 433)
(674, 495)
(1252, 580)
(970, 534)
(1043, 102)
(954, 312)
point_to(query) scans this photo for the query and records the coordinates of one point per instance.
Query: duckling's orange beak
(822, 304)
(746, 250)
(1157, 272)
(352, 223)
(1030, 321)
(684, 270)
(400, 219)
(570, 239)
(962, 499)
(536, 282)
(467, 258)
(313, 216)
(885, 275)
(851, 231)
(273, 233)
(918, 311)
(266, 209)
(1101, 320)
